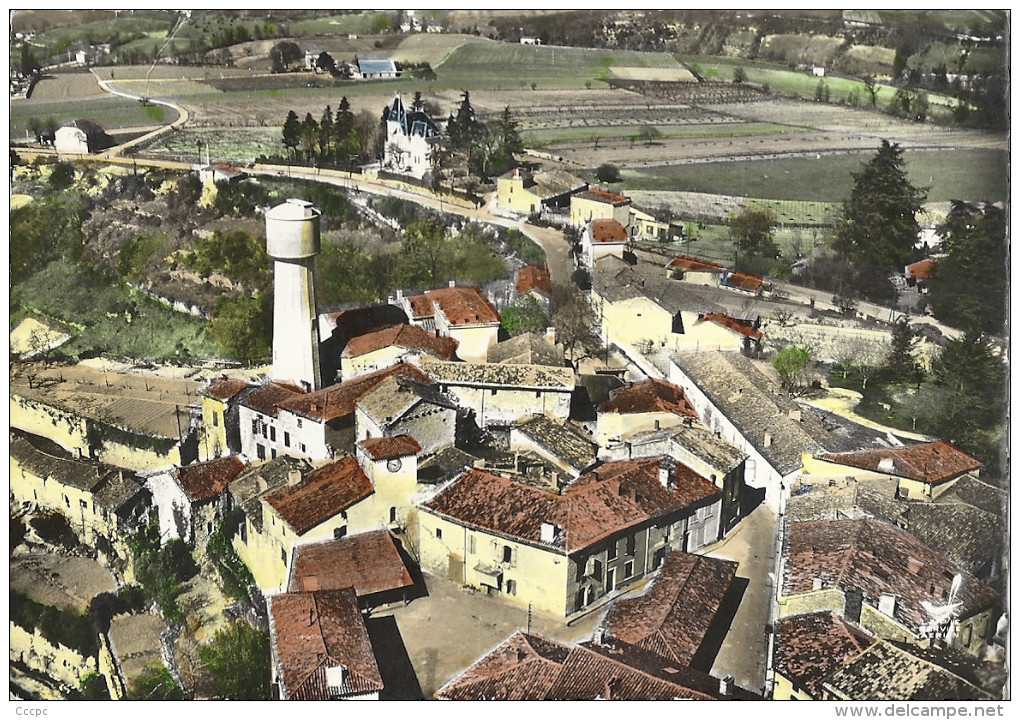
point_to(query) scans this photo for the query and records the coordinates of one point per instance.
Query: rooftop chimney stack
(666, 471)
(292, 241)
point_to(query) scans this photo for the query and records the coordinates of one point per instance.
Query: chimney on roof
(726, 684)
(400, 295)
(795, 415)
(768, 440)
(852, 605)
(549, 532)
(667, 471)
(887, 465)
(293, 477)
(453, 283)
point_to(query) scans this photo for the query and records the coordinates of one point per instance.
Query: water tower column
(292, 241)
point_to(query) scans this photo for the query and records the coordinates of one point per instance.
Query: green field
(556, 136)
(505, 65)
(237, 146)
(974, 175)
(110, 112)
(359, 23)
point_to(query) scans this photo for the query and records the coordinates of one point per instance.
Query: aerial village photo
(580, 355)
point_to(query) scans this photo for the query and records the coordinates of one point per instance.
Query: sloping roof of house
(314, 631)
(673, 617)
(372, 66)
(205, 480)
(605, 195)
(110, 486)
(931, 463)
(649, 396)
(412, 122)
(741, 327)
(607, 230)
(224, 388)
(446, 464)
(410, 337)
(526, 349)
(706, 445)
(809, 647)
(687, 262)
(562, 440)
(256, 480)
(922, 269)
(892, 670)
(392, 398)
(757, 406)
(600, 503)
(86, 125)
(268, 398)
(385, 448)
(338, 400)
(500, 375)
(877, 557)
(616, 281)
(551, 184)
(743, 281)
(369, 562)
(527, 666)
(460, 304)
(321, 494)
(533, 277)
(351, 322)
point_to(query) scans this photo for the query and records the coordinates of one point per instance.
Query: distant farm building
(82, 137)
(378, 68)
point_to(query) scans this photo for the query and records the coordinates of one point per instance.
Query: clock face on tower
(393, 465)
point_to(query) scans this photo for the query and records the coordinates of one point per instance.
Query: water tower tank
(292, 230)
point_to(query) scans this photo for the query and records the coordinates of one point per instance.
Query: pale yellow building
(220, 435)
(561, 552)
(597, 202)
(459, 312)
(650, 404)
(383, 348)
(524, 192)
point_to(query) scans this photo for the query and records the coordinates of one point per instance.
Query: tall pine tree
(879, 221)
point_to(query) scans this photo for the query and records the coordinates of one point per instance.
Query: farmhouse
(98, 500)
(526, 192)
(601, 238)
(562, 552)
(599, 203)
(376, 68)
(410, 137)
(82, 137)
(695, 270)
(457, 311)
(743, 282)
(644, 226)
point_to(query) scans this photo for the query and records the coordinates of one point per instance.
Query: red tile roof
(320, 630)
(268, 398)
(686, 262)
(922, 269)
(224, 388)
(673, 617)
(744, 281)
(932, 463)
(410, 337)
(741, 327)
(339, 400)
(605, 230)
(369, 562)
(809, 647)
(206, 480)
(461, 304)
(321, 494)
(533, 277)
(613, 497)
(384, 448)
(605, 195)
(527, 666)
(647, 396)
(877, 557)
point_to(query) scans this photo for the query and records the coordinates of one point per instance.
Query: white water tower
(292, 241)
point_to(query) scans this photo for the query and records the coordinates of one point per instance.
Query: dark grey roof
(394, 396)
(526, 349)
(444, 465)
(757, 406)
(563, 441)
(110, 486)
(706, 445)
(246, 490)
(617, 280)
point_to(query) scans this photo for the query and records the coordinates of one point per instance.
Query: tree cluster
(489, 147)
(161, 568)
(338, 140)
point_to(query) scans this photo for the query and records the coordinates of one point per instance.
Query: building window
(538, 393)
(272, 434)
(254, 427)
(508, 554)
(244, 532)
(393, 514)
(260, 451)
(612, 551)
(596, 569)
(283, 555)
(628, 569)
(272, 452)
(631, 544)
(965, 636)
(472, 545)
(339, 532)
(511, 587)
(303, 449)
(265, 430)
(439, 534)
(286, 438)
(215, 419)
(67, 501)
(493, 391)
(299, 422)
(84, 504)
